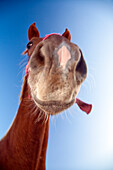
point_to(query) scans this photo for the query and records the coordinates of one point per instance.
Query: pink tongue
(84, 106)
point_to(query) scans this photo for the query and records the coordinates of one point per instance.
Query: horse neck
(25, 144)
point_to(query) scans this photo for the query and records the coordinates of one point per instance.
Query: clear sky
(76, 141)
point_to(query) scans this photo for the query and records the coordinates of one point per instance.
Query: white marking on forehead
(64, 55)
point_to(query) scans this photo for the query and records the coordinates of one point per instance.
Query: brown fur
(25, 144)
(67, 34)
(33, 31)
(24, 147)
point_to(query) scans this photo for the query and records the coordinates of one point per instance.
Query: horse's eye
(29, 45)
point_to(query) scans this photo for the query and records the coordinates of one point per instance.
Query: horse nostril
(81, 67)
(40, 58)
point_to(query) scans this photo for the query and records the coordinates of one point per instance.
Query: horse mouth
(53, 107)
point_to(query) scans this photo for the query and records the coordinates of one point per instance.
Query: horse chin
(53, 107)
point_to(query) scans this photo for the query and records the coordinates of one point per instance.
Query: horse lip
(53, 107)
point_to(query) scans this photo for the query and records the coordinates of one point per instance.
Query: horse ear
(33, 31)
(67, 34)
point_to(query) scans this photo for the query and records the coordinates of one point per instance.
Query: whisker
(46, 118)
(71, 112)
(93, 81)
(66, 114)
(23, 65)
(62, 115)
(33, 111)
(21, 71)
(53, 120)
(40, 116)
(25, 59)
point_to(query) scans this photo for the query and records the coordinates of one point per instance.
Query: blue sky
(76, 141)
